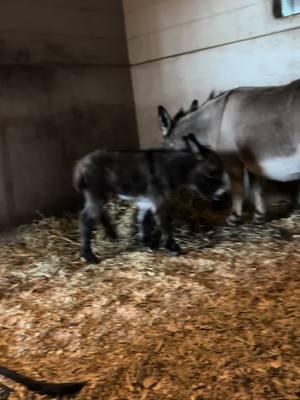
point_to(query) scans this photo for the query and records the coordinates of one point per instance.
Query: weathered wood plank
(51, 116)
(50, 20)
(252, 19)
(169, 14)
(111, 6)
(33, 48)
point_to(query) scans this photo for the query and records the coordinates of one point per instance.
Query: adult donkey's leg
(237, 194)
(296, 195)
(256, 184)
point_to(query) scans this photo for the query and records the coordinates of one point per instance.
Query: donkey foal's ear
(187, 143)
(197, 147)
(192, 144)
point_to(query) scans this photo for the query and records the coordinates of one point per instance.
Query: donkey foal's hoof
(173, 248)
(112, 236)
(90, 258)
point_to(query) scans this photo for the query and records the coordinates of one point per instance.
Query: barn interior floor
(221, 322)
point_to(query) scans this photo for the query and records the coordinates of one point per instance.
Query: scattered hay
(221, 322)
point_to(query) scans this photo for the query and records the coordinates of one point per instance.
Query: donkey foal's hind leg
(89, 217)
(108, 226)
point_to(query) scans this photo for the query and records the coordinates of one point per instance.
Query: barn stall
(219, 322)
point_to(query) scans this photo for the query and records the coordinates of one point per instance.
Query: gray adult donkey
(256, 129)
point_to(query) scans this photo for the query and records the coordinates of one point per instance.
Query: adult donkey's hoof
(234, 220)
(259, 218)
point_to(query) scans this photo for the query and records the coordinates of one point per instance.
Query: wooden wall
(182, 49)
(65, 89)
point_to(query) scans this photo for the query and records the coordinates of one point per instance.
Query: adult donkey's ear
(194, 105)
(164, 121)
(211, 95)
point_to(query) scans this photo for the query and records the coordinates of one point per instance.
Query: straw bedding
(220, 322)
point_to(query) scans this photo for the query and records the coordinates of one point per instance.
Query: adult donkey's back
(257, 128)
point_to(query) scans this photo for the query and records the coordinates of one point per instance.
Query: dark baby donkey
(146, 177)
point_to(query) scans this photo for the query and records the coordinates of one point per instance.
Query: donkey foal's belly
(142, 202)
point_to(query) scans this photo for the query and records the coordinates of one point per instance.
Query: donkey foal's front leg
(163, 219)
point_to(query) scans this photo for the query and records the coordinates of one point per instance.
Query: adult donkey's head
(203, 120)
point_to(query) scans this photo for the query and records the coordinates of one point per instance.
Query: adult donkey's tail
(42, 387)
